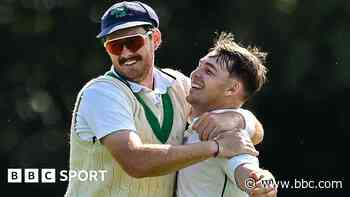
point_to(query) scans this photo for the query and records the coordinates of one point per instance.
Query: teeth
(196, 85)
(130, 62)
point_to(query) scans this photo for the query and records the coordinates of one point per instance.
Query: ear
(156, 38)
(233, 88)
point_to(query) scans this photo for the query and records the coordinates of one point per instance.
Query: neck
(148, 81)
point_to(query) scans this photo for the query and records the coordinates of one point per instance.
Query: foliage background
(49, 51)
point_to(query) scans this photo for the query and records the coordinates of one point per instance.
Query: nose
(196, 74)
(125, 51)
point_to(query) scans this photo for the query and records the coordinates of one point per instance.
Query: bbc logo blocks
(48, 175)
(14, 175)
(31, 175)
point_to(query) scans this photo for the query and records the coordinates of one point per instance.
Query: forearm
(156, 160)
(144, 160)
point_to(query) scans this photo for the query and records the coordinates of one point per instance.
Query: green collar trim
(161, 132)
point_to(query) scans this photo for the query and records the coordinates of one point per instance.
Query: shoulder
(104, 89)
(106, 86)
(175, 73)
(179, 76)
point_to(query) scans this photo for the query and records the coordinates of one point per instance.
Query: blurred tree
(49, 51)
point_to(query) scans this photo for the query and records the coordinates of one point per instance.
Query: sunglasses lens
(133, 44)
(115, 47)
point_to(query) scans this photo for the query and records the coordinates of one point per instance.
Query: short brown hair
(246, 64)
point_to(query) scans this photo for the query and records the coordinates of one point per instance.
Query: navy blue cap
(127, 14)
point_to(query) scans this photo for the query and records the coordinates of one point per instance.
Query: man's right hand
(234, 143)
(210, 124)
(265, 184)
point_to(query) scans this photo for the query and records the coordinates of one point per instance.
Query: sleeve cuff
(238, 160)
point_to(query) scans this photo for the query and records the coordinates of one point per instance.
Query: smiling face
(211, 85)
(135, 65)
(227, 76)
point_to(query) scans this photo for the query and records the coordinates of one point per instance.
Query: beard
(136, 72)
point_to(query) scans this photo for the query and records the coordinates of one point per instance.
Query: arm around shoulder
(146, 160)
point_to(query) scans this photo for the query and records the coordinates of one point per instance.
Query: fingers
(213, 134)
(265, 184)
(200, 121)
(263, 192)
(210, 124)
(204, 126)
(256, 176)
(202, 129)
(198, 124)
(206, 132)
(235, 143)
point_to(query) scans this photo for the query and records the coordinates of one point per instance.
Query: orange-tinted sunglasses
(132, 42)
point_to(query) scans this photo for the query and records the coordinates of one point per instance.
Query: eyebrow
(212, 66)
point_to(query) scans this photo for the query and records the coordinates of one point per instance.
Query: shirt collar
(161, 82)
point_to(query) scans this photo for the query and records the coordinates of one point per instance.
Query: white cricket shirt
(214, 177)
(105, 109)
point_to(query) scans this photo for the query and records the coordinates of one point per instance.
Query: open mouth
(130, 62)
(196, 86)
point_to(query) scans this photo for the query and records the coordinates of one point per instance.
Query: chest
(163, 126)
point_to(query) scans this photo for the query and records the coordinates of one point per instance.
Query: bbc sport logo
(48, 175)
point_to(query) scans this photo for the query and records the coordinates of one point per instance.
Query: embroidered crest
(119, 12)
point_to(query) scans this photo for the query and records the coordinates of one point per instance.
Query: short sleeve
(106, 109)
